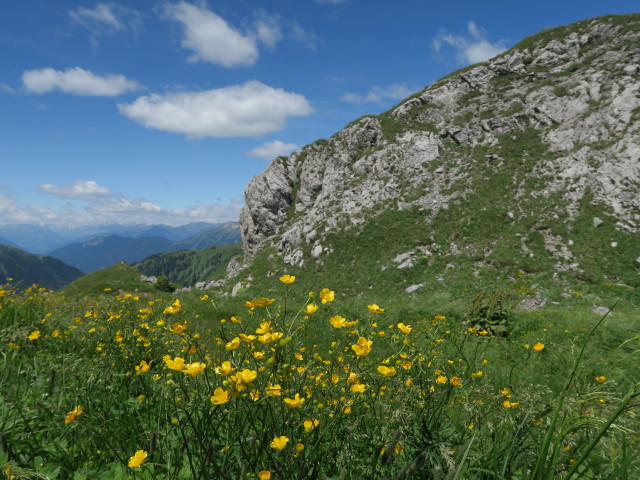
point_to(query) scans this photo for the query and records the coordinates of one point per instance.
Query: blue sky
(140, 111)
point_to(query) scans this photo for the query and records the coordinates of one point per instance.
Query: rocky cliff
(535, 133)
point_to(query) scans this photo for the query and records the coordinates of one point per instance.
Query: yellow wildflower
(538, 346)
(278, 443)
(310, 308)
(73, 414)
(362, 347)
(194, 369)
(310, 424)
(219, 396)
(174, 308)
(406, 329)
(375, 308)
(176, 364)
(233, 344)
(34, 335)
(288, 279)
(138, 459)
(327, 295)
(386, 371)
(264, 475)
(601, 379)
(225, 368)
(143, 367)
(294, 402)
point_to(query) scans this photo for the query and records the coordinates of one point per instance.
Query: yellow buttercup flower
(538, 346)
(477, 374)
(194, 369)
(310, 308)
(601, 379)
(265, 327)
(246, 376)
(406, 329)
(142, 368)
(358, 387)
(73, 414)
(138, 459)
(362, 347)
(294, 402)
(233, 344)
(327, 295)
(274, 390)
(219, 396)
(176, 364)
(174, 308)
(310, 424)
(288, 279)
(441, 379)
(386, 371)
(178, 327)
(264, 475)
(225, 368)
(278, 443)
(34, 335)
(337, 321)
(375, 308)
(456, 381)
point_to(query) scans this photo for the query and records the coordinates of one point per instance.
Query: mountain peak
(531, 140)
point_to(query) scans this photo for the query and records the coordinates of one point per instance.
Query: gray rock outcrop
(576, 88)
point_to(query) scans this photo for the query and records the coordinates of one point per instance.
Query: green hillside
(187, 267)
(26, 269)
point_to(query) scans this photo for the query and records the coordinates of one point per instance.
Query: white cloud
(376, 94)
(249, 110)
(270, 150)
(106, 18)
(87, 190)
(76, 81)
(119, 210)
(472, 48)
(212, 39)
(267, 29)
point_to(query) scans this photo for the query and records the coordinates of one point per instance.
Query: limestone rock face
(575, 87)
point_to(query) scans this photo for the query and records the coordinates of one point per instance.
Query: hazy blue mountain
(40, 239)
(103, 251)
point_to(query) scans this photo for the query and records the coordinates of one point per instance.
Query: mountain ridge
(535, 146)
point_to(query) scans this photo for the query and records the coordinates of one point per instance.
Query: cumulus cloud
(270, 150)
(249, 110)
(376, 94)
(76, 81)
(116, 210)
(212, 39)
(106, 18)
(87, 190)
(470, 48)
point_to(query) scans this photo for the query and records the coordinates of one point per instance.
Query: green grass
(461, 404)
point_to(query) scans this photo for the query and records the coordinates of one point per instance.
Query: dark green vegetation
(26, 269)
(187, 267)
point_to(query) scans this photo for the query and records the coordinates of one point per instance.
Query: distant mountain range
(26, 269)
(102, 251)
(41, 239)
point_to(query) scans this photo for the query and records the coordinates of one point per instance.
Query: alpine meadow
(448, 290)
